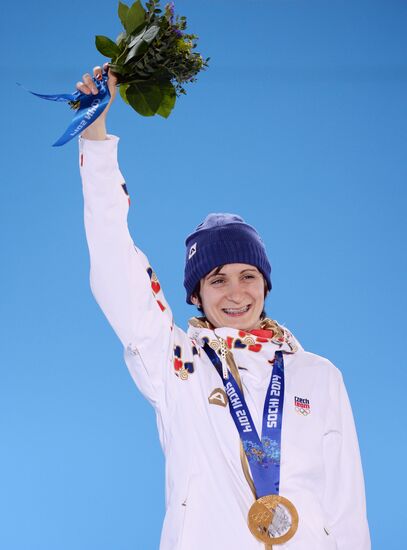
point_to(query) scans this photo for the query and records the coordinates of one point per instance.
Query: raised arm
(122, 280)
(97, 130)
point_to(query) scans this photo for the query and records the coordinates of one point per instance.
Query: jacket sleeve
(344, 498)
(122, 281)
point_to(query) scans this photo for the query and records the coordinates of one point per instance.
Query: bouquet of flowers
(153, 57)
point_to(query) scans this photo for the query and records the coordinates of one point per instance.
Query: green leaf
(123, 10)
(151, 33)
(143, 48)
(106, 46)
(120, 38)
(118, 69)
(122, 92)
(144, 97)
(135, 55)
(168, 99)
(135, 17)
(136, 38)
(137, 50)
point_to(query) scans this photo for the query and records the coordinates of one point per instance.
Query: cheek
(260, 297)
(212, 303)
(208, 298)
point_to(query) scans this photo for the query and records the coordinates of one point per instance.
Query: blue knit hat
(222, 239)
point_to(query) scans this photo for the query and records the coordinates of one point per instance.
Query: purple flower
(178, 33)
(171, 7)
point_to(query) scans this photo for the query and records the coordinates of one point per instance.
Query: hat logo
(192, 251)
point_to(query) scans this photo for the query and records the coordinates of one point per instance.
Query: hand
(97, 130)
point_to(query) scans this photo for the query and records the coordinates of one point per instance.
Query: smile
(236, 311)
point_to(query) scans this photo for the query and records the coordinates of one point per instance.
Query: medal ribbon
(90, 108)
(263, 455)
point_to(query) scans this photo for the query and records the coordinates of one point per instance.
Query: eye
(217, 281)
(249, 276)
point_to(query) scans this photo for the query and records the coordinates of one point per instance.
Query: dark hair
(197, 291)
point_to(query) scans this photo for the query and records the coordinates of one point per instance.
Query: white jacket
(207, 494)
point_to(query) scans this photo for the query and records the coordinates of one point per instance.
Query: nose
(235, 292)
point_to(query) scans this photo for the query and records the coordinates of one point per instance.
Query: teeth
(240, 310)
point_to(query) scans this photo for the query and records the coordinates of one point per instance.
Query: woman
(288, 429)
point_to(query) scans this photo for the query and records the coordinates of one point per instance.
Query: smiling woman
(298, 474)
(232, 296)
(227, 272)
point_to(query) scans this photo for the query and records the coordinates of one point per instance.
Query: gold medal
(273, 519)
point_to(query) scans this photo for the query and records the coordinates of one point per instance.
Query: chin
(241, 323)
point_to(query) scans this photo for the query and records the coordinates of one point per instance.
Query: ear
(266, 288)
(195, 300)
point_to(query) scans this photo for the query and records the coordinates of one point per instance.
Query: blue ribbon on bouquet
(90, 108)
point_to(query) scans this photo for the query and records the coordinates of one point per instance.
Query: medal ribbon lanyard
(263, 454)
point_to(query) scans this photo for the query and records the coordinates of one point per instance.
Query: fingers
(111, 75)
(87, 86)
(97, 72)
(87, 79)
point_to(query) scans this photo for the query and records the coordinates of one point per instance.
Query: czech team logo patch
(302, 405)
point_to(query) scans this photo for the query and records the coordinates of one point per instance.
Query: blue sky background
(299, 125)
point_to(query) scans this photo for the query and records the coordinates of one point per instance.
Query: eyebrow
(221, 273)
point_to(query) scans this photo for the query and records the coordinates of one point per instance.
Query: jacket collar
(269, 332)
